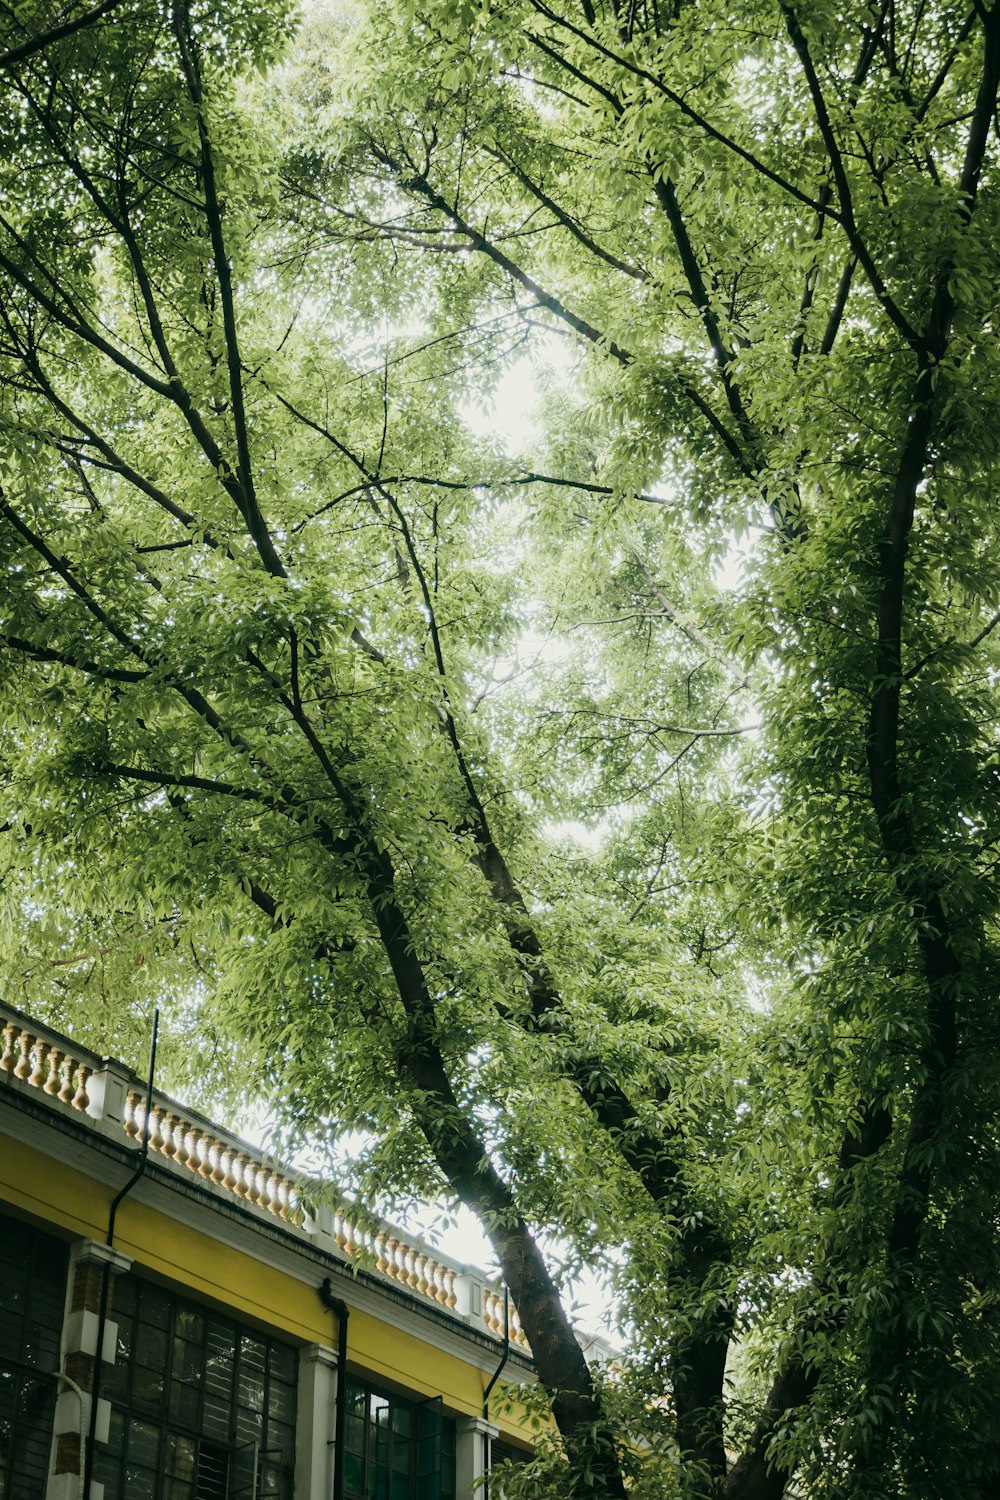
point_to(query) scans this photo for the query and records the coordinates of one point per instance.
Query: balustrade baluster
(51, 1084)
(226, 1161)
(66, 1079)
(240, 1164)
(168, 1135)
(39, 1053)
(193, 1158)
(213, 1162)
(253, 1186)
(420, 1272)
(81, 1099)
(7, 1058)
(23, 1065)
(205, 1164)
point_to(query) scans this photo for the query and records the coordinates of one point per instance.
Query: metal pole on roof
(102, 1321)
(486, 1394)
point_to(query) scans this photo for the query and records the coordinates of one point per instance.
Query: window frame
(361, 1478)
(35, 1268)
(206, 1438)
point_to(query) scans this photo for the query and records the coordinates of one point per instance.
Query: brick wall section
(68, 1453)
(87, 1288)
(80, 1368)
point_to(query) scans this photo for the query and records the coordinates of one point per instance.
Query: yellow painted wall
(62, 1196)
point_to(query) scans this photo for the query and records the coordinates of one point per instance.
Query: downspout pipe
(342, 1313)
(102, 1320)
(486, 1394)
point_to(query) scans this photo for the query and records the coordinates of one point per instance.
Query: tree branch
(64, 659)
(57, 33)
(846, 216)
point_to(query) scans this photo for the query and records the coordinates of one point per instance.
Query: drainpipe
(23, 1368)
(486, 1394)
(102, 1320)
(80, 1395)
(342, 1312)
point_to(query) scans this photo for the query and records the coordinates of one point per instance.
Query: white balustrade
(49, 1066)
(44, 1065)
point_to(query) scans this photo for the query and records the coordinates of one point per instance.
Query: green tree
(267, 596)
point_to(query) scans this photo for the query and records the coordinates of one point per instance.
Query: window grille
(397, 1449)
(203, 1407)
(32, 1292)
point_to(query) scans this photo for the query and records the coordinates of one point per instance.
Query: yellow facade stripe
(60, 1195)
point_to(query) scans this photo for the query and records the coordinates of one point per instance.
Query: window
(396, 1449)
(202, 1408)
(32, 1293)
(503, 1458)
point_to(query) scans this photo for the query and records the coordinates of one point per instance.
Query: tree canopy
(602, 824)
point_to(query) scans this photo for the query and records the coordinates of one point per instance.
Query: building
(253, 1344)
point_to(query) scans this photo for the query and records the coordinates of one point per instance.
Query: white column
(80, 1367)
(314, 1426)
(107, 1090)
(473, 1435)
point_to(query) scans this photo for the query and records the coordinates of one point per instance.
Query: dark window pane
(353, 1472)
(123, 1347)
(139, 1483)
(251, 1353)
(124, 1296)
(248, 1426)
(215, 1422)
(250, 1393)
(189, 1324)
(279, 1437)
(32, 1293)
(282, 1363)
(151, 1347)
(154, 1305)
(181, 1456)
(270, 1479)
(242, 1467)
(143, 1443)
(221, 1379)
(114, 1382)
(184, 1404)
(213, 1473)
(108, 1470)
(428, 1456)
(116, 1431)
(220, 1359)
(189, 1361)
(147, 1387)
(281, 1402)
